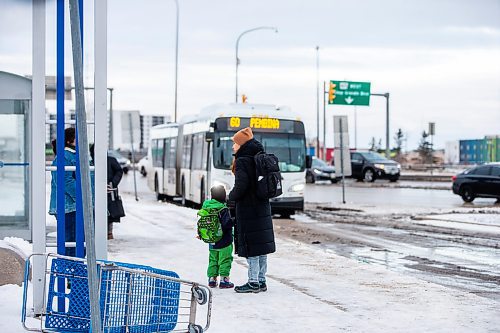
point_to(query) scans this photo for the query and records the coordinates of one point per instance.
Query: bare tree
(425, 148)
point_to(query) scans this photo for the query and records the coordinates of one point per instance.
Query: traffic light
(331, 93)
(244, 98)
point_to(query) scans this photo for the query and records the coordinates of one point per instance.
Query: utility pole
(387, 143)
(110, 118)
(324, 120)
(355, 127)
(317, 101)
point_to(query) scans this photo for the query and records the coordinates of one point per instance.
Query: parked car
(370, 165)
(143, 165)
(479, 182)
(320, 170)
(124, 162)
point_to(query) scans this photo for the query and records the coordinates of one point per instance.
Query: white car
(143, 165)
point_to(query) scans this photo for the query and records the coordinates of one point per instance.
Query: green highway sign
(349, 93)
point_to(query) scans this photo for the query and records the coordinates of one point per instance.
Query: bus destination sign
(258, 123)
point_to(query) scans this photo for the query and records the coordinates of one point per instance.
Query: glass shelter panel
(14, 195)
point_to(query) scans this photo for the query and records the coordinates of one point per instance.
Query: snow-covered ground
(310, 289)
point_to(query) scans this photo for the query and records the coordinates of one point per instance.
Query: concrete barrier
(425, 178)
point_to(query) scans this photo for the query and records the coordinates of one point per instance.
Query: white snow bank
(18, 245)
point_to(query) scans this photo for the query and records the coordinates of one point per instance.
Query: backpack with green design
(209, 226)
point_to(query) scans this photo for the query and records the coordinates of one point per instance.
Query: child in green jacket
(221, 252)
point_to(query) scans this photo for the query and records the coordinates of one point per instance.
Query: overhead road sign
(349, 93)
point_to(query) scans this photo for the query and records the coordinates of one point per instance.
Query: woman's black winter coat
(254, 224)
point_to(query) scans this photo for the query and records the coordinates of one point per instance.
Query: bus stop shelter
(15, 175)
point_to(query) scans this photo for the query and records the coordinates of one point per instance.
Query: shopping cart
(133, 298)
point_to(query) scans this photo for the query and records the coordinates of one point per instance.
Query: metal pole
(37, 166)
(61, 226)
(324, 121)
(341, 130)
(101, 127)
(432, 154)
(237, 64)
(238, 59)
(110, 118)
(133, 153)
(387, 143)
(317, 101)
(355, 127)
(387, 149)
(176, 57)
(81, 120)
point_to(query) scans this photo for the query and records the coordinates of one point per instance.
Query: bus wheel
(202, 193)
(157, 189)
(183, 192)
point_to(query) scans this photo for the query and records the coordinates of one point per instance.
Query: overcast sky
(439, 59)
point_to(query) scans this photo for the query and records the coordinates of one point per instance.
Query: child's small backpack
(209, 226)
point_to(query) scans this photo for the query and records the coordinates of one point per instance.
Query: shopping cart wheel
(200, 295)
(195, 328)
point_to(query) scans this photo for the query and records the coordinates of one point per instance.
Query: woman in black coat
(115, 174)
(254, 224)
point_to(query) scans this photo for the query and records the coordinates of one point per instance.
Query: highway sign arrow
(349, 100)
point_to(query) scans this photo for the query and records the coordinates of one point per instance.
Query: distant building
(452, 152)
(478, 151)
(148, 121)
(141, 128)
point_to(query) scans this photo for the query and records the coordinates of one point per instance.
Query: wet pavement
(402, 235)
(385, 194)
(464, 259)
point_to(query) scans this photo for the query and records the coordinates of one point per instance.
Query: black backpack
(268, 176)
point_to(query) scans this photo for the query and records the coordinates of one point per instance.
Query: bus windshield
(289, 148)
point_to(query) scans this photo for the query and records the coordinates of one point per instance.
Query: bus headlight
(297, 188)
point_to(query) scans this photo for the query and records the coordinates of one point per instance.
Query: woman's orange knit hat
(243, 135)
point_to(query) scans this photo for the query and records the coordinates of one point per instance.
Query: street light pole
(387, 143)
(110, 143)
(317, 101)
(237, 47)
(176, 57)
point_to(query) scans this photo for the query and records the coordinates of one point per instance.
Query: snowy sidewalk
(310, 289)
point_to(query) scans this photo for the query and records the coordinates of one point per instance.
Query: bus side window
(159, 154)
(166, 153)
(197, 151)
(204, 155)
(154, 144)
(186, 151)
(171, 160)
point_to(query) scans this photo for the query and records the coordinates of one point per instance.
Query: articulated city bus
(190, 157)
(163, 155)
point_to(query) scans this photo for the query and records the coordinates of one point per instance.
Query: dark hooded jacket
(254, 224)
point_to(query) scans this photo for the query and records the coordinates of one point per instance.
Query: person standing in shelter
(254, 224)
(115, 174)
(69, 156)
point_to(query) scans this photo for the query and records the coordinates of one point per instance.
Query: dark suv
(369, 166)
(320, 170)
(479, 182)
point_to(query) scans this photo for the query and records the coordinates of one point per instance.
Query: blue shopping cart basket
(133, 298)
